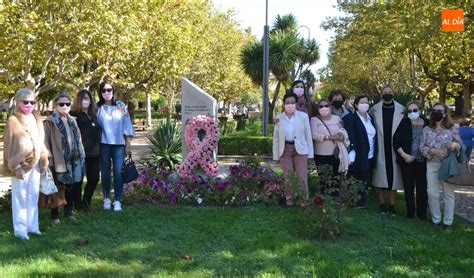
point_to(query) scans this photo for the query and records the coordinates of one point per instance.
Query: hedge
(248, 145)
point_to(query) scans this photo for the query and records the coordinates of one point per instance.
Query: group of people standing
(389, 146)
(80, 139)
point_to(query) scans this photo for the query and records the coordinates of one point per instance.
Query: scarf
(73, 154)
(301, 104)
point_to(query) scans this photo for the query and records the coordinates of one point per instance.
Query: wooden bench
(139, 124)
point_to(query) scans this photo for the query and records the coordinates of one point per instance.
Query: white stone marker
(194, 101)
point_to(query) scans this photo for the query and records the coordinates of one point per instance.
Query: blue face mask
(413, 115)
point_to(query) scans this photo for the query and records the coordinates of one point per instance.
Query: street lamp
(266, 47)
(307, 28)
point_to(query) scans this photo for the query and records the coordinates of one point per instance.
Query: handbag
(336, 150)
(47, 186)
(129, 170)
(465, 177)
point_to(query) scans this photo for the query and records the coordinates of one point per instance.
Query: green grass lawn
(258, 241)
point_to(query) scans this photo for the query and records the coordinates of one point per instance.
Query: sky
(310, 13)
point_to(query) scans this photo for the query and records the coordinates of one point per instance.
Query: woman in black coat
(406, 142)
(84, 110)
(363, 147)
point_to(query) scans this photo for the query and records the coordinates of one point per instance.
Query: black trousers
(333, 162)
(73, 199)
(93, 175)
(366, 178)
(414, 176)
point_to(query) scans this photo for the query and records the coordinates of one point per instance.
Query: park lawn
(253, 241)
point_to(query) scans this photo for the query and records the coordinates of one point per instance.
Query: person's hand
(20, 174)
(275, 121)
(408, 158)
(339, 137)
(128, 150)
(440, 153)
(454, 146)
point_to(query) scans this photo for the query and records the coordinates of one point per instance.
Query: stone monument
(194, 101)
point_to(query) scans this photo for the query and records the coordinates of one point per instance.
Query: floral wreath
(201, 152)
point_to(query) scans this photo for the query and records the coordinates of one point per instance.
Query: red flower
(318, 200)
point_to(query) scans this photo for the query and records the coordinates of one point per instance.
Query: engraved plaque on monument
(194, 101)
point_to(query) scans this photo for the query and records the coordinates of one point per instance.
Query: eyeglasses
(62, 104)
(26, 102)
(324, 105)
(414, 110)
(290, 102)
(439, 110)
(108, 90)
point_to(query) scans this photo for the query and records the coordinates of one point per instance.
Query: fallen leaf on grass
(186, 258)
(82, 242)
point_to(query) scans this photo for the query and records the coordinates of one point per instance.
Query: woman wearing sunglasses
(406, 142)
(327, 132)
(440, 137)
(24, 157)
(67, 162)
(117, 131)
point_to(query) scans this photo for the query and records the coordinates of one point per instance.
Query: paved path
(140, 150)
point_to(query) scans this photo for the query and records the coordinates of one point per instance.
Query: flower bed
(246, 184)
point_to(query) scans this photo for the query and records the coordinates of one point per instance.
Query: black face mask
(387, 97)
(337, 104)
(437, 116)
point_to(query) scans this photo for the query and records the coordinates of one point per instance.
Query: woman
(304, 103)
(387, 177)
(437, 140)
(406, 142)
(24, 158)
(293, 145)
(337, 99)
(64, 142)
(117, 131)
(363, 144)
(327, 131)
(85, 112)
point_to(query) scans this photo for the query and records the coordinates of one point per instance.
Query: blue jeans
(468, 152)
(117, 154)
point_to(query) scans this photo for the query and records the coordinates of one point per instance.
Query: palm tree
(289, 56)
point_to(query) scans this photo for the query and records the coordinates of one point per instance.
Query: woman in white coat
(293, 145)
(387, 175)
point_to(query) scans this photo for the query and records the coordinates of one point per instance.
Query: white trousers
(434, 187)
(25, 194)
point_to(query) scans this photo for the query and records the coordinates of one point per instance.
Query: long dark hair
(101, 87)
(447, 123)
(77, 106)
(310, 104)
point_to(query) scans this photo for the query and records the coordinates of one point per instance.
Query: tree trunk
(442, 91)
(148, 109)
(467, 102)
(271, 105)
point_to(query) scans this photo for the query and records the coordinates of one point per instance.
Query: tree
(290, 56)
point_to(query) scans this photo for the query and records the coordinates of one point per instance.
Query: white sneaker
(117, 206)
(24, 237)
(107, 204)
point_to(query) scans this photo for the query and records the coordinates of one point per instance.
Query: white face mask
(363, 107)
(290, 108)
(107, 95)
(324, 111)
(298, 91)
(86, 103)
(413, 115)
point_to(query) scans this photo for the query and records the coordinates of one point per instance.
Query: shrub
(245, 145)
(166, 145)
(6, 201)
